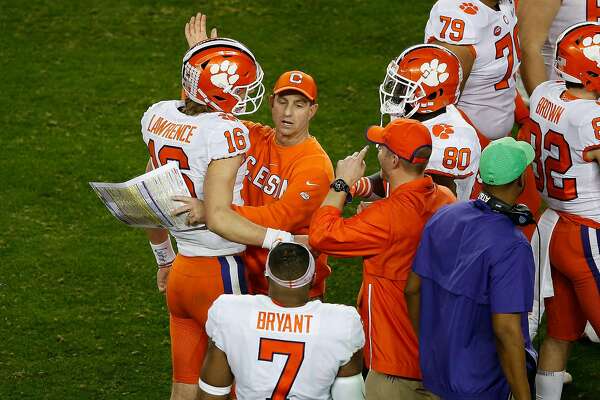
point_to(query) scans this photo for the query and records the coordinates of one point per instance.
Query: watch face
(339, 185)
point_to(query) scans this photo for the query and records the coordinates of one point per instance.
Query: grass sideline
(80, 316)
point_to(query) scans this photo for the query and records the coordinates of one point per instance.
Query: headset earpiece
(519, 214)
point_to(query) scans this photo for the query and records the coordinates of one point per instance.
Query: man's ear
(271, 100)
(313, 110)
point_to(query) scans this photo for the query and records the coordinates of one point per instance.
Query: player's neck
(493, 4)
(582, 93)
(285, 297)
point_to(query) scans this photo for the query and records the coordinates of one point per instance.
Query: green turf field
(80, 316)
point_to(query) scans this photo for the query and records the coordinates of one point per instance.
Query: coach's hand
(195, 30)
(162, 275)
(352, 168)
(194, 208)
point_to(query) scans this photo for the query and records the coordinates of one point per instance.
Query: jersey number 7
(295, 355)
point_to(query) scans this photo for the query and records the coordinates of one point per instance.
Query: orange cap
(298, 81)
(404, 137)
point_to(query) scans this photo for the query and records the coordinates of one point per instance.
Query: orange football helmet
(577, 55)
(423, 79)
(223, 74)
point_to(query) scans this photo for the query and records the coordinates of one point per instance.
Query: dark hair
(192, 108)
(288, 261)
(423, 152)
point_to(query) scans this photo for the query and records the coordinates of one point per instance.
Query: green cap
(504, 160)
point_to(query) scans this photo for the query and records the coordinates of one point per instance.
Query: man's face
(386, 160)
(291, 113)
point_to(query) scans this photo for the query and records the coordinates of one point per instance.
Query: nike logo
(309, 183)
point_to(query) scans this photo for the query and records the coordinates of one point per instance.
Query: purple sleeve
(511, 281)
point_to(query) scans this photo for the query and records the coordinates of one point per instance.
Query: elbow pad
(348, 388)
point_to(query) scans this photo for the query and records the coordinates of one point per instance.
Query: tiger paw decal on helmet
(469, 8)
(443, 131)
(591, 48)
(434, 73)
(223, 75)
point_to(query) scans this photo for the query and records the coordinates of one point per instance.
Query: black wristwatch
(339, 185)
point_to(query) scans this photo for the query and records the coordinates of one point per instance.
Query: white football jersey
(563, 130)
(455, 150)
(571, 12)
(193, 142)
(284, 353)
(488, 97)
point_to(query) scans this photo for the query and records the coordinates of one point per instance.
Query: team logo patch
(591, 48)
(497, 31)
(443, 131)
(305, 195)
(434, 72)
(469, 8)
(223, 75)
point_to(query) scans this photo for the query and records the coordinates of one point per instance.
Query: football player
(484, 36)
(541, 22)
(222, 79)
(288, 171)
(283, 346)
(565, 133)
(424, 83)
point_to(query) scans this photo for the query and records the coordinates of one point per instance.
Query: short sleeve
(511, 280)
(455, 151)
(357, 333)
(214, 328)
(228, 139)
(145, 121)
(589, 135)
(450, 22)
(356, 339)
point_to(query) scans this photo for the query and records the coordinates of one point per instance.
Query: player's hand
(162, 276)
(194, 208)
(362, 206)
(195, 30)
(352, 168)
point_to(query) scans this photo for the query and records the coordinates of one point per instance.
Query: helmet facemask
(249, 96)
(399, 96)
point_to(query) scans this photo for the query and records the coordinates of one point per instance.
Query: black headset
(519, 214)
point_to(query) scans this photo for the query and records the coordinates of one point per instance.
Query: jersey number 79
(295, 355)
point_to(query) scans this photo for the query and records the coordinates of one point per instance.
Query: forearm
(335, 199)
(533, 69)
(228, 224)
(157, 235)
(413, 303)
(511, 353)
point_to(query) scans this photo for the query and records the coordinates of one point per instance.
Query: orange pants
(575, 263)
(194, 284)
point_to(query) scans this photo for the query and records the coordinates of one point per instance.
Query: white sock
(548, 385)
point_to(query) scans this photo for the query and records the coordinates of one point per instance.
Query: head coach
(472, 286)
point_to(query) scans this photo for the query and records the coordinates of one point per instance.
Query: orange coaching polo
(386, 234)
(284, 186)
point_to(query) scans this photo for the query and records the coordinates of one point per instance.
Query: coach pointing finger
(386, 234)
